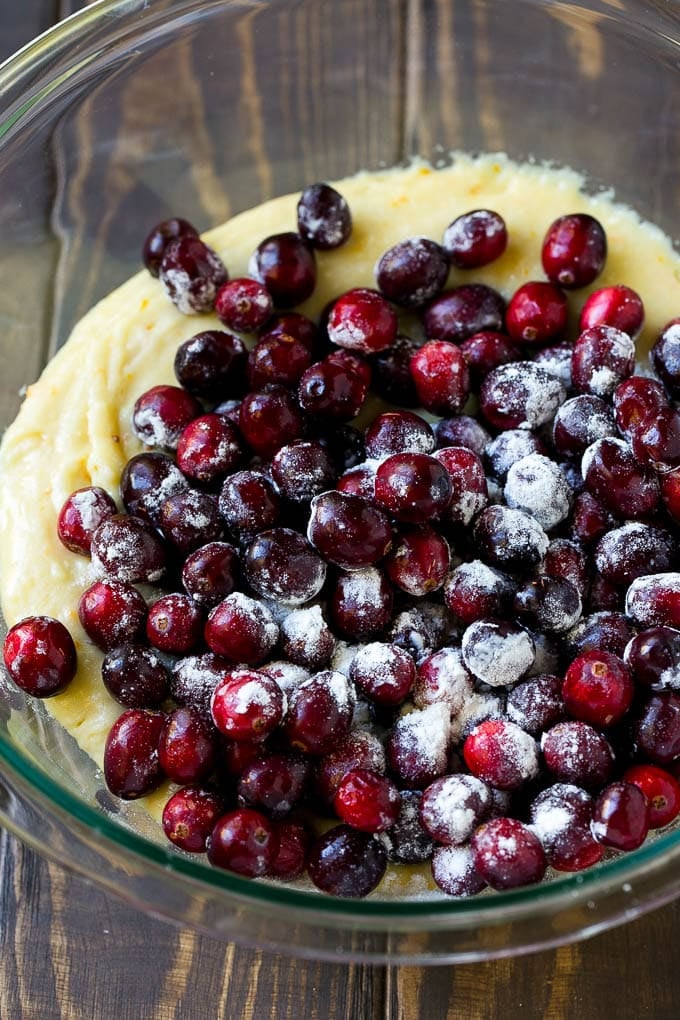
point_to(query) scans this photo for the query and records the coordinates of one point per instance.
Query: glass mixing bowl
(135, 110)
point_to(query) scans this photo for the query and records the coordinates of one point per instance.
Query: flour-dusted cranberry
(590, 519)
(548, 604)
(509, 539)
(459, 313)
(661, 790)
(191, 274)
(412, 272)
(147, 481)
(346, 862)
(348, 531)
(475, 590)
(190, 519)
(268, 420)
(241, 629)
(653, 656)
(293, 324)
(80, 516)
(657, 730)
(190, 816)
(161, 413)
(497, 652)
(441, 377)
(40, 656)
(520, 395)
(128, 549)
(420, 629)
(619, 306)
(635, 400)
(295, 840)
(574, 250)
(383, 672)
(243, 304)
(357, 749)
(274, 783)
(208, 449)
(282, 566)
(419, 561)
(598, 689)
(508, 448)
(174, 624)
(210, 573)
(654, 600)
(537, 313)
(621, 817)
(500, 753)
(278, 360)
(602, 358)
(614, 476)
(567, 560)
(665, 357)
(575, 752)
(392, 378)
(536, 485)
(135, 676)
(319, 713)
(211, 365)
(536, 704)
(454, 871)
(452, 808)
(462, 431)
(633, 550)
(131, 763)
(367, 801)
(413, 487)
(243, 841)
(475, 238)
(485, 351)
(398, 432)
(417, 747)
(657, 440)
(247, 705)
(285, 264)
(160, 237)
(581, 421)
(112, 613)
(560, 817)
(406, 841)
(607, 631)
(332, 390)
(249, 503)
(362, 321)
(506, 854)
(469, 487)
(187, 748)
(194, 678)
(323, 217)
(358, 481)
(306, 638)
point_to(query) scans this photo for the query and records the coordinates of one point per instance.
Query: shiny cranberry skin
(358, 749)
(441, 377)
(384, 673)
(131, 763)
(454, 871)
(661, 790)
(603, 631)
(112, 613)
(602, 358)
(128, 549)
(470, 492)
(282, 566)
(658, 729)
(278, 360)
(274, 783)
(243, 304)
(657, 440)
(295, 325)
(576, 753)
(621, 817)
(286, 266)
(319, 713)
(302, 470)
(323, 217)
(294, 843)
(536, 704)
(581, 421)
(190, 816)
(574, 250)
(670, 494)
(634, 550)
(187, 747)
(654, 600)
(560, 817)
(268, 420)
(161, 414)
(459, 313)
(413, 487)
(567, 560)
(412, 272)
(333, 390)
(40, 656)
(243, 841)
(509, 539)
(537, 313)
(367, 801)
(452, 808)
(462, 431)
(247, 705)
(358, 481)
(653, 656)
(348, 531)
(360, 603)
(135, 676)
(635, 400)
(160, 237)
(249, 503)
(241, 629)
(346, 862)
(190, 519)
(500, 753)
(613, 475)
(392, 373)
(362, 321)
(191, 274)
(598, 689)
(147, 481)
(174, 624)
(419, 561)
(485, 351)
(549, 604)
(475, 238)
(618, 306)
(398, 432)
(590, 520)
(474, 591)
(80, 516)
(520, 395)
(507, 854)
(211, 365)
(665, 357)
(208, 449)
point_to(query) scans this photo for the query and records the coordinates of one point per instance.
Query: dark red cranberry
(603, 631)
(474, 591)
(274, 783)
(419, 561)
(520, 395)
(346, 862)
(249, 503)
(635, 400)
(243, 304)
(190, 816)
(653, 656)
(603, 596)
(131, 763)
(135, 676)
(510, 447)
(476, 238)
(174, 624)
(194, 678)
(452, 808)
(190, 519)
(211, 365)
(362, 321)
(348, 531)
(441, 377)
(658, 729)
(247, 705)
(294, 843)
(357, 749)
(413, 487)
(454, 871)
(241, 630)
(367, 801)
(208, 449)
(598, 689)
(344, 443)
(383, 672)
(319, 713)
(590, 520)
(657, 440)
(560, 817)
(323, 217)
(537, 485)
(392, 378)
(162, 413)
(358, 481)
(574, 250)
(470, 492)
(613, 475)
(128, 549)
(302, 470)
(443, 678)
(295, 325)
(576, 753)
(462, 431)
(360, 603)
(80, 516)
(420, 628)
(621, 817)
(187, 747)
(579, 422)
(191, 274)
(507, 854)
(602, 358)
(147, 481)
(237, 756)
(417, 747)
(536, 704)
(500, 753)
(412, 272)
(112, 613)
(661, 790)
(398, 432)
(277, 360)
(665, 357)
(459, 313)
(485, 351)
(406, 841)
(655, 600)
(549, 604)
(268, 420)
(160, 237)
(243, 841)
(285, 264)
(306, 638)
(333, 390)
(567, 560)
(281, 565)
(537, 313)
(670, 494)
(633, 550)
(40, 656)
(619, 307)
(509, 539)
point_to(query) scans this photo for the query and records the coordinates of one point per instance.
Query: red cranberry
(454, 871)
(357, 749)
(538, 486)
(613, 476)
(367, 801)
(360, 603)
(452, 808)
(147, 481)
(358, 481)
(249, 503)
(419, 561)
(661, 790)
(347, 862)
(475, 238)
(653, 657)
(520, 395)
(654, 600)
(459, 313)
(549, 604)
(208, 449)
(602, 358)
(384, 673)
(417, 747)
(323, 217)
(174, 624)
(135, 676)
(363, 321)
(665, 357)
(412, 272)
(619, 307)
(670, 494)
(332, 390)
(348, 531)
(274, 783)
(319, 713)
(243, 841)
(211, 365)
(574, 250)
(605, 631)
(302, 470)
(579, 422)
(485, 351)
(657, 440)
(406, 841)
(131, 763)
(291, 858)
(162, 413)
(508, 448)
(633, 550)
(658, 728)
(190, 519)
(507, 854)
(500, 753)
(286, 266)
(509, 539)
(128, 549)
(243, 304)
(537, 313)
(590, 520)
(241, 629)
(635, 400)
(190, 816)
(576, 753)
(469, 488)
(187, 747)
(398, 432)
(560, 817)
(247, 705)
(295, 325)
(306, 638)
(441, 377)
(194, 678)
(191, 274)
(269, 420)
(40, 656)
(567, 560)
(344, 443)
(278, 360)
(80, 516)
(413, 487)
(621, 817)
(160, 237)
(536, 704)
(474, 591)
(281, 565)
(392, 378)
(598, 689)
(112, 613)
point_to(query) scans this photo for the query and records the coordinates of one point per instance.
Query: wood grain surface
(68, 951)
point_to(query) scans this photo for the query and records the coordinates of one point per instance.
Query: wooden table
(69, 951)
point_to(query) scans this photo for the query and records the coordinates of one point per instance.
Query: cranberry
(208, 449)
(633, 550)
(363, 321)
(537, 313)
(485, 351)
(567, 560)
(285, 264)
(635, 400)
(294, 843)
(604, 631)
(406, 841)
(332, 390)
(249, 503)
(128, 549)
(194, 679)
(469, 487)
(475, 590)
(111, 613)
(417, 746)
(412, 272)
(190, 816)
(174, 624)
(653, 656)
(243, 304)
(670, 494)
(243, 841)
(348, 531)
(40, 656)
(323, 217)
(241, 629)
(619, 307)
(560, 817)
(160, 237)
(661, 790)
(507, 854)
(247, 705)
(602, 358)
(191, 274)
(536, 704)
(665, 357)
(419, 561)
(579, 422)
(131, 763)
(454, 871)
(211, 365)
(509, 539)
(598, 689)
(538, 486)
(292, 324)
(508, 448)
(657, 440)
(658, 728)
(358, 481)
(392, 378)
(413, 487)
(420, 629)
(147, 481)
(452, 808)
(621, 817)
(278, 360)
(190, 519)
(161, 414)
(603, 596)
(360, 603)
(319, 713)
(344, 443)
(135, 676)
(80, 516)
(357, 749)
(500, 753)
(441, 377)
(274, 783)
(613, 476)
(476, 238)
(347, 862)
(269, 420)
(548, 603)
(280, 565)
(654, 600)
(187, 747)
(366, 801)
(520, 395)
(556, 360)
(398, 432)
(574, 250)
(302, 470)
(383, 672)
(306, 638)
(590, 520)
(459, 313)
(574, 752)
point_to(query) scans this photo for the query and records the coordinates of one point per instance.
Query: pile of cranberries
(458, 639)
